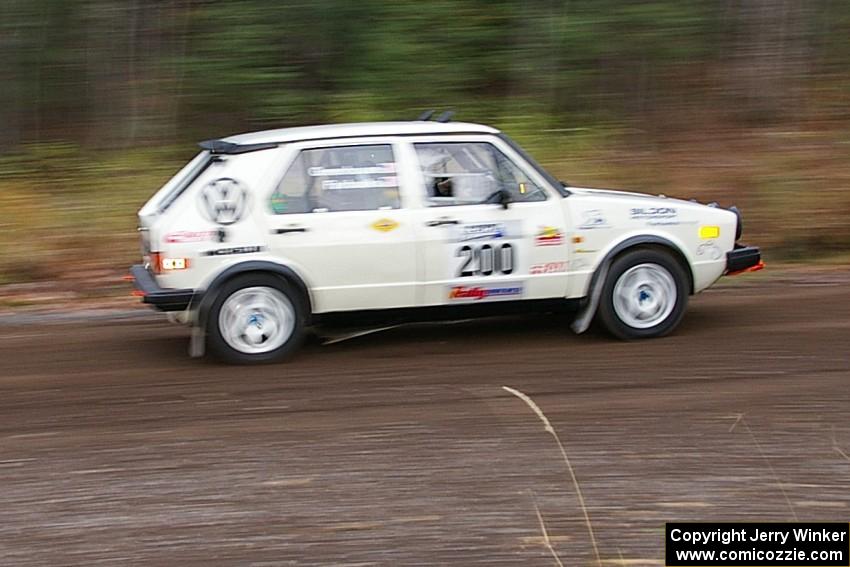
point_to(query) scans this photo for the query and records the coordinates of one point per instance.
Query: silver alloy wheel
(256, 320)
(644, 296)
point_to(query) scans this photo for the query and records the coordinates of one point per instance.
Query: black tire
(219, 340)
(656, 263)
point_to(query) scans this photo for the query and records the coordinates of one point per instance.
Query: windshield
(551, 179)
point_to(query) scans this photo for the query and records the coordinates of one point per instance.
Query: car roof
(304, 133)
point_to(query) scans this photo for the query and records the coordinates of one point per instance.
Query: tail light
(160, 264)
(156, 262)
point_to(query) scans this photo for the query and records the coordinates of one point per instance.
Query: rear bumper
(743, 259)
(159, 298)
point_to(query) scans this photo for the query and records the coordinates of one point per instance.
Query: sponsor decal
(380, 169)
(488, 230)
(279, 204)
(549, 236)
(482, 231)
(653, 213)
(234, 250)
(340, 184)
(483, 292)
(585, 251)
(656, 215)
(183, 236)
(223, 201)
(593, 218)
(548, 268)
(385, 225)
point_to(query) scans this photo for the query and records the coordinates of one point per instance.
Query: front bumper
(159, 298)
(743, 259)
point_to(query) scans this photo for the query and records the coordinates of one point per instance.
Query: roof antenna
(425, 116)
(446, 116)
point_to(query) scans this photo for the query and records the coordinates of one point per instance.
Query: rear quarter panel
(184, 230)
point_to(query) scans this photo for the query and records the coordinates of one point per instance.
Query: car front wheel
(255, 319)
(644, 295)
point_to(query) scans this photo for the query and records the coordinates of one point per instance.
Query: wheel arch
(646, 241)
(285, 273)
(594, 288)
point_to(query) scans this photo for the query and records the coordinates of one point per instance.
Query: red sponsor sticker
(463, 292)
(190, 236)
(548, 268)
(548, 236)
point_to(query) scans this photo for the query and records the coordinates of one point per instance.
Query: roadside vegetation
(740, 103)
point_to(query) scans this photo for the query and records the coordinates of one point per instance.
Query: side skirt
(442, 312)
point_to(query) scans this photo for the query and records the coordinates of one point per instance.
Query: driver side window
(469, 173)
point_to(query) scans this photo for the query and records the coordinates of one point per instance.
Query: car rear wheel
(644, 295)
(255, 319)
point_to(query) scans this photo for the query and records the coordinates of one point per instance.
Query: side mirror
(500, 197)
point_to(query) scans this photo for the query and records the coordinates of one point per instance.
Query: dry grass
(548, 427)
(837, 448)
(546, 541)
(67, 212)
(742, 420)
(790, 182)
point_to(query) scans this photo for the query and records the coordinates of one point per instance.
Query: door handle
(440, 222)
(288, 230)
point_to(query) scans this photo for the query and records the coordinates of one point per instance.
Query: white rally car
(265, 234)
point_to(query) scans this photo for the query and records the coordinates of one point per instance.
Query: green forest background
(740, 101)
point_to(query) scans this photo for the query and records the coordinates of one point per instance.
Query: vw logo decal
(223, 201)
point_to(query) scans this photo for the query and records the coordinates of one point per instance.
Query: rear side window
(184, 178)
(343, 178)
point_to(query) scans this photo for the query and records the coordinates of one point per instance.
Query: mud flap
(197, 342)
(585, 315)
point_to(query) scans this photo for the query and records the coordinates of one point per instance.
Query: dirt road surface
(402, 448)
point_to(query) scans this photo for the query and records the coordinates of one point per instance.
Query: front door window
(473, 249)
(470, 173)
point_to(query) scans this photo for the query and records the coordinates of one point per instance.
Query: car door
(336, 217)
(473, 249)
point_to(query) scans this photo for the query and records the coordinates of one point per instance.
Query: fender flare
(591, 300)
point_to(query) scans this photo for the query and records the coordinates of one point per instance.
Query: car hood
(631, 199)
(622, 194)
(652, 210)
